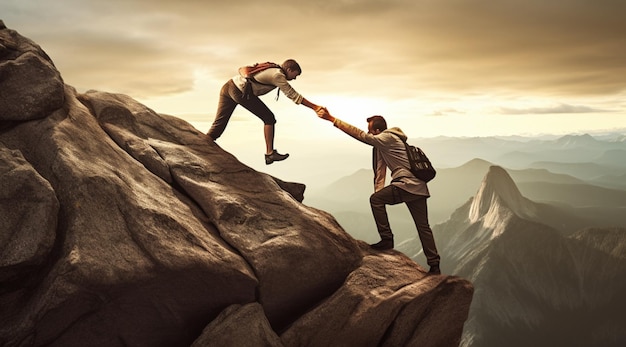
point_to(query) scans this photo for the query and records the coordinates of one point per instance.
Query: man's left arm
(281, 82)
(311, 105)
(350, 129)
(380, 169)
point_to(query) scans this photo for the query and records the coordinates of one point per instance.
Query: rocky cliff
(124, 227)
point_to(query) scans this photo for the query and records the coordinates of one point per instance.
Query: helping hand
(323, 113)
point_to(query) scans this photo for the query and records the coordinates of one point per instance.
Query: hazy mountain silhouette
(611, 181)
(571, 160)
(580, 195)
(534, 286)
(573, 141)
(349, 196)
(582, 170)
(613, 157)
(446, 152)
(518, 151)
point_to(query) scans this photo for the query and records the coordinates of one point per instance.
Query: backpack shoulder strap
(248, 72)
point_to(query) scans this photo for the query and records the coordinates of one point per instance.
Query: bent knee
(375, 200)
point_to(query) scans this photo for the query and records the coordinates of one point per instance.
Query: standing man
(263, 82)
(389, 152)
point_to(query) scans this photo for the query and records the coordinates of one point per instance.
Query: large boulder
(36, 87)
(125, 227)
(388, 301)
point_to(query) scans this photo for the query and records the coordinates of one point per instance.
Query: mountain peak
(573, 141)
(498, 195)
(476, 163)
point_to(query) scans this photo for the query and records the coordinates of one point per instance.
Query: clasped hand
(323, 113)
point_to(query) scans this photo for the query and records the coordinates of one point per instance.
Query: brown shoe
(383, 244)
(434, 270)
(275, 156)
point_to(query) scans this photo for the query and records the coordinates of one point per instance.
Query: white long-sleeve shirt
(391, 153)
(268, 80)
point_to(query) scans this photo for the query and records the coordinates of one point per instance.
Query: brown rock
(157, 230)
(32, 88)
(388, 301)
(239, 326)
(28, 215)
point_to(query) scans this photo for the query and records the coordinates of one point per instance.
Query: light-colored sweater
(390, 153)
(270, 79)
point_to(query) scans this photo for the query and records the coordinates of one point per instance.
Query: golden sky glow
(432, 67)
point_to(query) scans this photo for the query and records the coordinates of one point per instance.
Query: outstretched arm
(380, 167)
(312, 106)
(350, 129)
(343, 126)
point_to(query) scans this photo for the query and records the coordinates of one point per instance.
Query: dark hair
(378, 122)
(291, 65)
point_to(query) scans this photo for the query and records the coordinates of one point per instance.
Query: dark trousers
(230, 97)
(392, 195)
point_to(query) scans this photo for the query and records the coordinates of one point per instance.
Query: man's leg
(378, 202)
(268, 131)
(225, 107)
(259, 109)
(419, 211)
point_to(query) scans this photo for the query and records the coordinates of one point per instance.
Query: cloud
(399, 48)
(559, 109)
(445, 112)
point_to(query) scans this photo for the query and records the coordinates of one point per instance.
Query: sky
(431, 67)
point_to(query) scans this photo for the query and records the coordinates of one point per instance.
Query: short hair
(378, 122)
(291, 65)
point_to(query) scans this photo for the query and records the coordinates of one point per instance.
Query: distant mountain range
(534, 285)
(452, 187)
(520, 152)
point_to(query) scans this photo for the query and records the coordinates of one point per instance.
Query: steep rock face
(31, 231)
(607, 240)
(125, 227)
(534, 286)
(497, 195)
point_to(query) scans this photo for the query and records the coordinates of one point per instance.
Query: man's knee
(372, 198)
(375, 200)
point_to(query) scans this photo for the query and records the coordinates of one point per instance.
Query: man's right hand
(323, 113)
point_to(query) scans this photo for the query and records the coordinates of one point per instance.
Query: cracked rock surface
(124, 227)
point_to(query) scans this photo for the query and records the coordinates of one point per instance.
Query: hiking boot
(275, 156)
(383, 244)
(434, 270)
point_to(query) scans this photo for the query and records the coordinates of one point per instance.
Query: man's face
(292, 74)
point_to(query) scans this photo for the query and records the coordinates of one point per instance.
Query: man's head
(292, 69)
(376, 125)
